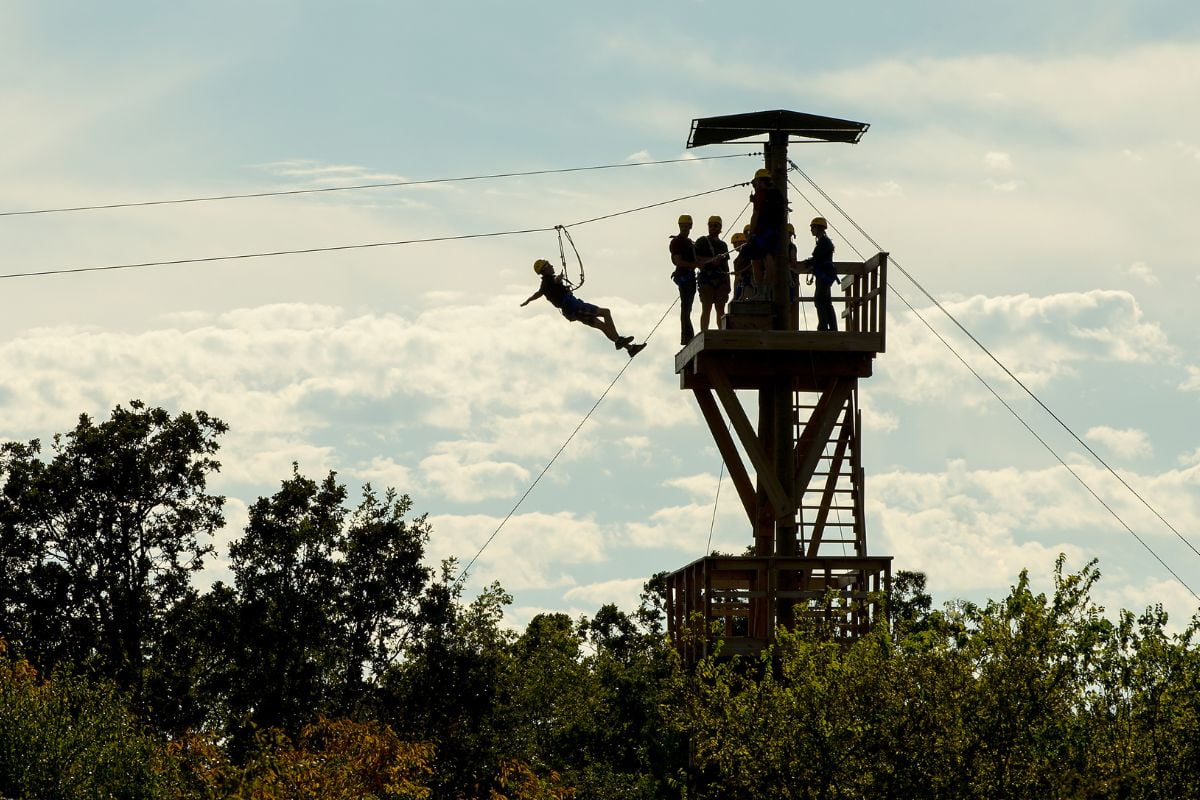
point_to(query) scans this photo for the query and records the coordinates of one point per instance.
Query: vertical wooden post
(780, 388)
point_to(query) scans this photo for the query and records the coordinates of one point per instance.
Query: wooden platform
(737, 600)
(747, 357)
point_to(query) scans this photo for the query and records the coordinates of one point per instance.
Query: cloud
(1003, 186)
(1192, 384)
(973, 530)
(458, 471)
(623, 592)
(531, 551)
(1040, 339)
(998, 162)
(1141, 270)
(1128, 443)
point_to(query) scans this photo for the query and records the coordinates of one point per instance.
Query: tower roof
(718, 130)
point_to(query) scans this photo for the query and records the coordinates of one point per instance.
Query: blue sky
(1032, 166)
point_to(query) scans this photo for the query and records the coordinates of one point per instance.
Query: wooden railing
(864, 300)
(736, 601)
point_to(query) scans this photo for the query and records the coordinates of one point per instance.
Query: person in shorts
(712, 279)
(555, 289)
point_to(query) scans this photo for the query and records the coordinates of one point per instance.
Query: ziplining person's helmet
(763, 173)
(685, 219)
(540, 265)
(818, 222)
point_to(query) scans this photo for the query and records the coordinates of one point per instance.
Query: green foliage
(337, 664)
(98, 541)
(324, 597)
(70, 739)
(1031, 696)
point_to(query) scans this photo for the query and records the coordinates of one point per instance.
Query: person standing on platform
(556, 290)
(712, 282)
(683, 257)
(743, 287)
(824, 275)
(766, 225)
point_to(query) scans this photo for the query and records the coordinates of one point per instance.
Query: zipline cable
(334, 248)
(1049, 449)
(463, 575)
(1009, 407)
(999, 363)
(392, 184)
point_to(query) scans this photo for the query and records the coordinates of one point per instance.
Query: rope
(354, 246)
(463, 575)
(716, 500)
(563, 257)
(360, 186)
(1000, 364)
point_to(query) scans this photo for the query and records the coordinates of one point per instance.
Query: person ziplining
(558, 292)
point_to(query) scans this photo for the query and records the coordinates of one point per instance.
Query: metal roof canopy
(719, 130)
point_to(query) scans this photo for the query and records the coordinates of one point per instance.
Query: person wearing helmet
(743, 287)
(556, 290)
(824, 274)
(683, 257)
(712, 281)
(793, 280)
(766, 225)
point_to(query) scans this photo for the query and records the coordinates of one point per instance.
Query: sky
(1033, 166)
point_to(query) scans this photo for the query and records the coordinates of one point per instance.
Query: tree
(323, 598)
(449, 687)
(101, 540)
(70, 738)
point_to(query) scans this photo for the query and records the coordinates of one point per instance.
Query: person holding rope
(712, 281)
(683, 258)
(558, 292)
(823, 275)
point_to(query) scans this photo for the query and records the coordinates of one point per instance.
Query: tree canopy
(338, 663)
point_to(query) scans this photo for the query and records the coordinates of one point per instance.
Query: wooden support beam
(780, 502)
(816, 432)
(733, 460)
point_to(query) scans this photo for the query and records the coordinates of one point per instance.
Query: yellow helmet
(714, 220)
(540, 265)
(763, 173)
(738, 239)
(746, 230)
(791, 229)
(685, 219)
(818, 222)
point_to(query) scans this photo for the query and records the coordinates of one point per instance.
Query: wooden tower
(805, 500)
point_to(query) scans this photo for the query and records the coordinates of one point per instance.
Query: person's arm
(533, 297)
(681, 262)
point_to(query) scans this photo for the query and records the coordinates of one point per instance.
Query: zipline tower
(805, 504)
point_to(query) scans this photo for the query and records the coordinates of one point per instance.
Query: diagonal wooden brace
(728, 450)
(781, 503)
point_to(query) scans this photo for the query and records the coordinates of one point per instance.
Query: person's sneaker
(622, 341)
(634, 349)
